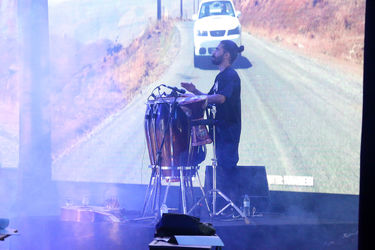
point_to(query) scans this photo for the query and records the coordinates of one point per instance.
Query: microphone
(182, 91)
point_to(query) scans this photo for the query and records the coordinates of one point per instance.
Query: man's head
(226, 52)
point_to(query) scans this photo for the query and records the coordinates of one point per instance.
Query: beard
(217, 60)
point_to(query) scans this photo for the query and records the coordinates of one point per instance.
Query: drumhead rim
(182, 100)
(174, 168)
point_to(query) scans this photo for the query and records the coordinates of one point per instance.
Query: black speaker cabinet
(250, 180)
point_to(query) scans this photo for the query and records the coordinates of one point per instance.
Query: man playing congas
(226, 95)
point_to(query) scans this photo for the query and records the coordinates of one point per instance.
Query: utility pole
(181, 9)
(159, 10)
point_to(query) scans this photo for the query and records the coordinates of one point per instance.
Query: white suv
(215, 21)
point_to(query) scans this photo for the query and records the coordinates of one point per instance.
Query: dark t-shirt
(228, 116)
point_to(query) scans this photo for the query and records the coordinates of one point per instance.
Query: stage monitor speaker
(250, 180)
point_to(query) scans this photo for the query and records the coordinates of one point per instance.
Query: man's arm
(216, 99)
(212, 99)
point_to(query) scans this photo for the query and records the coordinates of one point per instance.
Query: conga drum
(167, 130)
(194, 107)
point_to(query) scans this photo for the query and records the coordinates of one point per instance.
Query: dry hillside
(89, 82)
(328, 29)
(103, 87)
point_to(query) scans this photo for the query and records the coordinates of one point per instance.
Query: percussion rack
(153, 193)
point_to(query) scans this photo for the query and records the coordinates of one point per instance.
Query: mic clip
(175, 89)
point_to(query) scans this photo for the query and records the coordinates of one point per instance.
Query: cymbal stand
(214, 191)
(190, 153)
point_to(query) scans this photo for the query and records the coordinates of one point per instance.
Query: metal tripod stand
(214, 191)
(153, 204)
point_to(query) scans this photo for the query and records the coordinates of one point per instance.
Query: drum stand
(214, 191)
(153, 193)
(152, 200)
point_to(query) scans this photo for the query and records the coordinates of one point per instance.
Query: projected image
(301, 85)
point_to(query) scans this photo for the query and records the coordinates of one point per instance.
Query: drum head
(192, 99)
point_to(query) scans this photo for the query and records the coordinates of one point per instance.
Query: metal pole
(35, 187)
(214, 162)
(181, 9)
(183, 191)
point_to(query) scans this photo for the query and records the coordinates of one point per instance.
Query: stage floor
(270, 231)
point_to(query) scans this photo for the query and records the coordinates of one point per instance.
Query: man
(226, 95)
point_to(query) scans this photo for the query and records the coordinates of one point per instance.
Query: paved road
(300, 118)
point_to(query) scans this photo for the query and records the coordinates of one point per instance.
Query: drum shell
(174, 148)
(194, 108)
(149, 126)
(173, 130)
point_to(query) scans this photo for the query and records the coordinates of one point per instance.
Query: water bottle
(163, 209)
(246, 206)
(85, 201)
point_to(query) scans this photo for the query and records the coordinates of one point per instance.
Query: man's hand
(188, 86)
